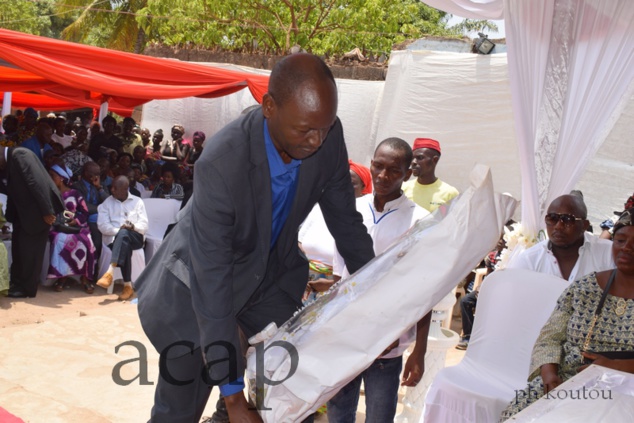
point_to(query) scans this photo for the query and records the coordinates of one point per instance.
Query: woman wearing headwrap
(579, 330)
(315, 239)
(71, 254)
(176, 149)
(361, 179)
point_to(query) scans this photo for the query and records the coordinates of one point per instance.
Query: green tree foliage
(23, 16)
(105, 23)
(319, 26)
(472, 26)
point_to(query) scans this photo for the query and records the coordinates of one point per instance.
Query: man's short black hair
(108, 119)
(173, 168)
(399, 144)
(286, 77)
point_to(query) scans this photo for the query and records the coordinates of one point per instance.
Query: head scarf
(624, 220)
(65, 173)
(363, 173)
(181, 128)
(426, 143)
(199, 134)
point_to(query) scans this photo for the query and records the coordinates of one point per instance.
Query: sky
(501, 30)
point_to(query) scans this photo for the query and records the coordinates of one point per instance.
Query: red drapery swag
(51, 74)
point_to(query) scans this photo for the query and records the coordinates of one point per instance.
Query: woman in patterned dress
(71, 254)
(558, 353)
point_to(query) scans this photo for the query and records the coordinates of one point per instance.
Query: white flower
(516, 241)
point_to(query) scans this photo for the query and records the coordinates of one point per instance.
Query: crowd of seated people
(83, 159)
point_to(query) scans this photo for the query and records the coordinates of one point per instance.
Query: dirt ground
(59, 351)
(50, 305)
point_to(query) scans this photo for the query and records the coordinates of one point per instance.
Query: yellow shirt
(431, 196)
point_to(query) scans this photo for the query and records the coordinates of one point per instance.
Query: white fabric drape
(473, 9)
(568, 89)
(571, 67)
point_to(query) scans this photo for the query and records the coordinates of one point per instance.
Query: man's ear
(268, 106)
(586, 225)
(408, 175)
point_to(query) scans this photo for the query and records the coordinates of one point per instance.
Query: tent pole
(103, 111)
(6, 104)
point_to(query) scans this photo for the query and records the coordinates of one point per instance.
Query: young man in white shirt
(387, 214)
(123, 221)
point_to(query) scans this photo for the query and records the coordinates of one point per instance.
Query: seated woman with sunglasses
(570, 251)
(593, 322)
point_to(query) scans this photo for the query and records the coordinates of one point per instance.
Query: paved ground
(58, 354)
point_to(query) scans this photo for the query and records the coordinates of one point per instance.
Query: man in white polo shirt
(387, 214)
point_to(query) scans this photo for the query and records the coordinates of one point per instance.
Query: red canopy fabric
(87, 76)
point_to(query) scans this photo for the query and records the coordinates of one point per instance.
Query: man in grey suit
(33, 200)
(232, 263)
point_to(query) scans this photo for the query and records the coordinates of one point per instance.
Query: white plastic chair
(161, 213)
(513, 306)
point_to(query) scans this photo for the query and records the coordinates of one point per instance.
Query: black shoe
(17, 294)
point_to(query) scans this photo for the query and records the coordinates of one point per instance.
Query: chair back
(513, 306)
(160, 213)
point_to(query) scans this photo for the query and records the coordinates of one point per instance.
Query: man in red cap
(427, 190)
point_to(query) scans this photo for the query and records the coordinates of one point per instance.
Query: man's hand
(414, 368)
(239, 411)
(96, 181)
(321, 284)
(128, 225)
(50, 219)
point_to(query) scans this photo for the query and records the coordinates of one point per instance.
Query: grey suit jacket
(31, 193)
(218, 255)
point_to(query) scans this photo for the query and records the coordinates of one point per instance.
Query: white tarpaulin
(357, 107)
(462, 100)
(596, 395)
(348, 327)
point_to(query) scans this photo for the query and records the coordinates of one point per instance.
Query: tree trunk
(140, 41)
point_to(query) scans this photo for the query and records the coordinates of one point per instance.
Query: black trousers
(176, 403)
(28, 254)
(124, 243)
(97, 238)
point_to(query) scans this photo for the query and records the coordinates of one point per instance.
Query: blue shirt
(34, 145)
(283, 187)
(92, 197)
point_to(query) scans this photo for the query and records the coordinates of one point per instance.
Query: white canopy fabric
(461, 100)
(571, 68)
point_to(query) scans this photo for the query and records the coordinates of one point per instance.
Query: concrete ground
(59, 355)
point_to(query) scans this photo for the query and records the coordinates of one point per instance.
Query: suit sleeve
(211, 253)
(43, 191)
(339, 209)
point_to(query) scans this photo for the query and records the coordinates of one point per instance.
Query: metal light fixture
(483, 45)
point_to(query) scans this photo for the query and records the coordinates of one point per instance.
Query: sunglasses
(567, 219)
